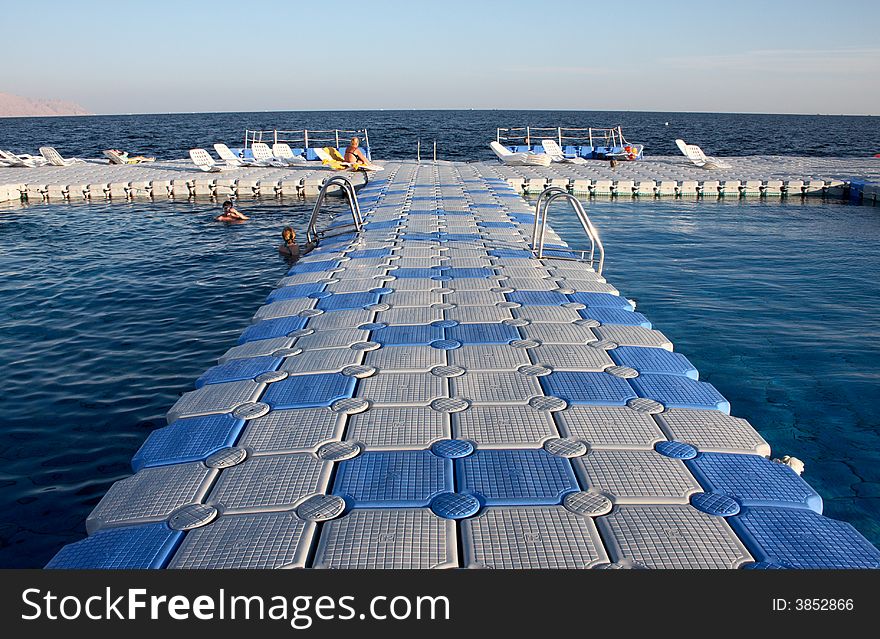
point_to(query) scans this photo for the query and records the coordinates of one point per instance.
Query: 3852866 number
(832, 605)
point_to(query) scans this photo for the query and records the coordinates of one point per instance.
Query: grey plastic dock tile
(389, 538)
(215, 398)
(409, 427)
(548, 333)
(494, 357)
(419, 284)
(671, 537)
(258, 541)
(330, 360)
(402, 388)
(571, 357)
(416, 297)
(633, 336)
(501, 387)
(282, 431)
(285, 308)
(339, 319)
(339, 338)
(257, 348)
(504, 426)
(409, 315)
(151, 495)
(270, 483)
(400, 358)
(616, 427)
(474, 298)
(712, 431)
(636, 477)
(531, 537)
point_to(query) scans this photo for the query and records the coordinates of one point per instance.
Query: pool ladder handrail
(547, 197)
(347, 187)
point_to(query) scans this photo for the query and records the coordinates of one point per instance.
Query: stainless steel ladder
(312, 234)
(547, 197)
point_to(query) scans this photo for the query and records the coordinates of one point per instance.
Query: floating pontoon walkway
(767, 176)
(428, 394)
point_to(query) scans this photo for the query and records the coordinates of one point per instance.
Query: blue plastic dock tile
(537, 298)
(654, 360)
(309, 391)
(368, 253)
(313, 267)
(133, 547)
(754, 481)
(419, 334)
(615, 316)
(395, 479)
(347, 301)
(597, 389)
(237, 370)
(674, 391)
(802, 539)
(460, 273)
(515, 477)
(497, 225)
(278, 327)
(602, 300)
(294, 292)
(483, 333)
(188, 439)
(384, 224)
(333, 241)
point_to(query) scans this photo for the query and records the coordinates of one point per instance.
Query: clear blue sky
(150, 57)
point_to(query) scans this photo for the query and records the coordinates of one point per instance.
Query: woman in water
(290, 249)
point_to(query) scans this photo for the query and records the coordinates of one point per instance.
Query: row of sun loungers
(279, 155)
(48, 155)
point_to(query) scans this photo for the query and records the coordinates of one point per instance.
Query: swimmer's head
(288, 234)
(227, 205)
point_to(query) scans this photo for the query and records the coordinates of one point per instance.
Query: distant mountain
(15, 105)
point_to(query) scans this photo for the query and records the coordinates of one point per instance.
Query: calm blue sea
(109, 312)
(460, 135)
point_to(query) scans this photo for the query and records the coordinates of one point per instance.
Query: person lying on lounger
(231, 214)
(122, 157)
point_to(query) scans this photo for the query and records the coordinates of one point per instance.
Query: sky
(130, 56)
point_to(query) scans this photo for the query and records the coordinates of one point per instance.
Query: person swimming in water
(290, 249)
(231, 214)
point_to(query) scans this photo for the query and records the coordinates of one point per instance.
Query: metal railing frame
(312, 234)
(547, 197)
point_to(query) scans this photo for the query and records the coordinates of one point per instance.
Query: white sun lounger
(23, 161)
(54, 158)
(263, 155)
(283, 152)
(230, 158)
(205, 162)
(519, 159)
(552, 148)
(695, 154)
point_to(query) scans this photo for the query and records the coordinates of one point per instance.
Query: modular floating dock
(427, 393)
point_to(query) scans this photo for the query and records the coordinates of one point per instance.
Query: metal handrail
(554, 193)
(348, 188)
